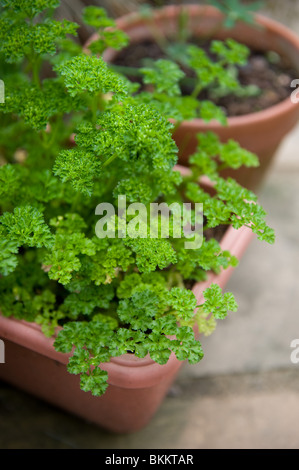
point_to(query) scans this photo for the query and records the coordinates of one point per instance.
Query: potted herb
(259, 113)
(101, 298)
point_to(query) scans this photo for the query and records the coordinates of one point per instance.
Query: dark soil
(272, 75)
(135, 54)
(217, 233)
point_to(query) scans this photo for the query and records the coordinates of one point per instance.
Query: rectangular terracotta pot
(136, 386)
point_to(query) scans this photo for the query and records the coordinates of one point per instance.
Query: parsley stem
(35, 73)
(94, 110)
(222, 167)
(196, 90)
(176, 126)
(110, 159)
(75, 202)
(54, 130)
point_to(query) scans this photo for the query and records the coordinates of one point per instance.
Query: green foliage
(164, 76)
(230, 51)
(183, 302)
(125, 134)
(90, 74)
(97, 17)
(211, 72)
(86, 301)
(152, 253)
(217, 303)
(41, 103)
(26, 227)
(112, 37)
(213, 155)
(215, 307)
(29, 9)
(235, 10)
(110, 260)
(20, 38)
(47, 315)
(209, 111)
(96, 342)
(218, 75)
(79, 167)
(8, 260)
(104, 297)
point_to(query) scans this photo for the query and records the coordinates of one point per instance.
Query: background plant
(235, 10)
(113, 295)
(189, 70)
(219, 75)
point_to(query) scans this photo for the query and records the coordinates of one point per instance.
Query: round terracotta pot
(260, 132)
(136, 386)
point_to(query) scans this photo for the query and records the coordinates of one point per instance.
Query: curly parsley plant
(102, 297)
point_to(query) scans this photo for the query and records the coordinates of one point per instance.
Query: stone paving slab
(249, 411)
(287, 158)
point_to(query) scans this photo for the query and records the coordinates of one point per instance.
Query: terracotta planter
(260, 132)
(136, 386)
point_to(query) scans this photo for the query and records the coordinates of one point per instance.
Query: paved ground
(243, 411)
(245, 392)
